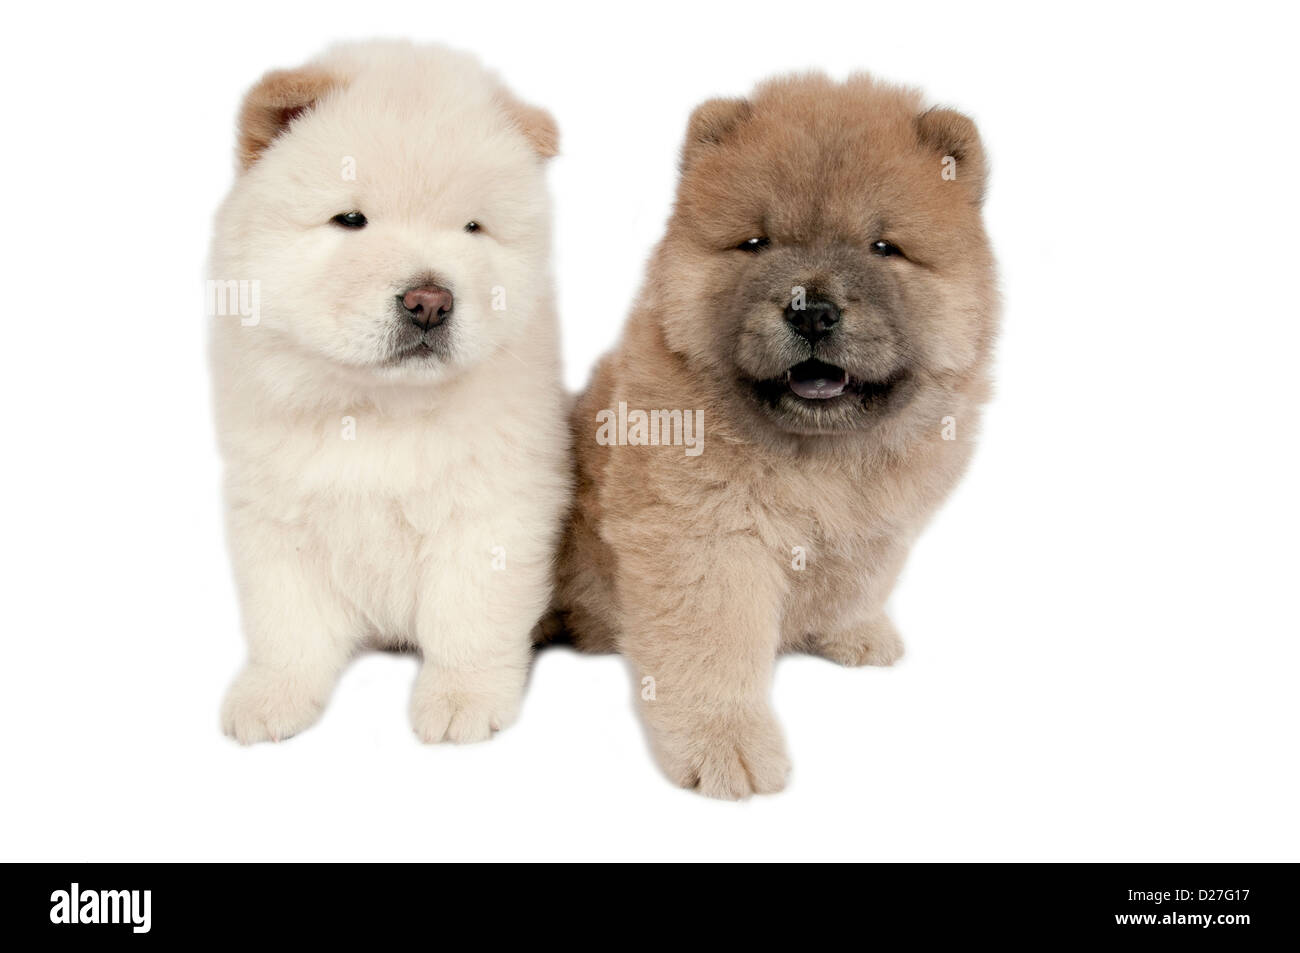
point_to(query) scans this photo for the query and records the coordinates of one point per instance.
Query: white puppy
(387, 387)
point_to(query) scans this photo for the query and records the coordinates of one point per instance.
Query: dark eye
(753, 244)
(885, 249)
(472, 226)
(350, 220)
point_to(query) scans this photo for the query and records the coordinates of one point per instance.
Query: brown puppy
(821, 313)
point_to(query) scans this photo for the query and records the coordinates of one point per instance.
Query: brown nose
(427, 307)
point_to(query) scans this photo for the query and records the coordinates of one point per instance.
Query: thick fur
(788, 530)
(403, 501)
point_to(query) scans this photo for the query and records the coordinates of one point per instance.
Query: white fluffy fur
(390, 537)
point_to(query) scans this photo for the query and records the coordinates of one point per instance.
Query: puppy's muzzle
(427, 307)
(815, 320)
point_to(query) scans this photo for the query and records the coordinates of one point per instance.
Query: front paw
(729, 755)
(872, 643)
(265, 705)
(464, 707)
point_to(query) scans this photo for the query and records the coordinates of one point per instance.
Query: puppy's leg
(472, 679)
(299, 634)
(865, 635)
(873, 641)
(584, 596)
(474, 629)
(702, 628)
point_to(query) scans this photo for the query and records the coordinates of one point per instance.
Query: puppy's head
(826, 264)
(391, 207)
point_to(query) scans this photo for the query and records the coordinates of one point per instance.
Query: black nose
(815, 319)
(427, 306)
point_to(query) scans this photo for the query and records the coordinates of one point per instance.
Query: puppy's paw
(731, 756)
(464, 707)
(873, 643)
(263, 705)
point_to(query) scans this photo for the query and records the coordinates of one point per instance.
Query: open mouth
(814, 382)
(817, 380)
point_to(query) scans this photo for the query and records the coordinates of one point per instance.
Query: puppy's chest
(833, 537)
(824, 557)
(828, 578)
(373, 504)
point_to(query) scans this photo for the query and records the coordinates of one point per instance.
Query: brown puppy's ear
(279, 98)
(535, 123)
(710, 123)
(954, 138)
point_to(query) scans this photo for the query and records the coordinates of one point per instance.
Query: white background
(1101, 624)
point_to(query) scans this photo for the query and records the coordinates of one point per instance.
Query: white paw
(263, 705)
(464, 707)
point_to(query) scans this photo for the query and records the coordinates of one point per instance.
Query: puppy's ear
(535, 123)
(710, 123)
(279, 98)
(955, 140)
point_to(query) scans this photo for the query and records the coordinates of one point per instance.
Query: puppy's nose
(815, 319)
(427, 307)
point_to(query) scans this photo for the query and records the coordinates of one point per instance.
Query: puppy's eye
(886, 249)
(472, 226)
(349, 220)
(753, 244)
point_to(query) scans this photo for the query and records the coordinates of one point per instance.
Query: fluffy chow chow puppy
(817, 322)
(388, 400)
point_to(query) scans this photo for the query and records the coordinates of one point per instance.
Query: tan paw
(263, 705)
(731, 756)
(464, 708)
(872, 643)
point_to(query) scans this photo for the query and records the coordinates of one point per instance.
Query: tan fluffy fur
(685, 563)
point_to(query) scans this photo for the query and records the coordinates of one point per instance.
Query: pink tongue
(819, 388)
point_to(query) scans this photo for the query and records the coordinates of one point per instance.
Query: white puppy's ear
(710, 123)
(537, 125)
(279, 98)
